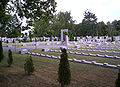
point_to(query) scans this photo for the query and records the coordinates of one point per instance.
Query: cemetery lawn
(45, 74)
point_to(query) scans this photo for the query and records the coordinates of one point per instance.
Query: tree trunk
(62, 84)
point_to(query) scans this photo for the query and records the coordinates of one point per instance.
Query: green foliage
(81, 37)
(41, 39)
(117, 82)
(1, 52)
(13, 27)
(36, 40)
(30, 9)
(7, 41)
(29, 66)
(30, 39)
(55, 39)
(64, 74)
(75, 38)
(62, 20)
(66, 33)
(46, 39)
(4, 18)
(25, 39)
(109, 40)
(19, 41)
(112, 39)
(71, 38)
(89, 24)
(10, 58)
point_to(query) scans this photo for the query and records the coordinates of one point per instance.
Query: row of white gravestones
(89, 54)
(117, 48)
(24, 51)
(77, 61)
(101, 51)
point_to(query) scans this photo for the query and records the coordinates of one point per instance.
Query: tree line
(88, 27)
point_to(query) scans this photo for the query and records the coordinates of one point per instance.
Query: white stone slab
(42, 55)
(36, 44)
(9, 45)
(105, 64)
(24, 51)
(23, 45)
(77, 46)
(45, 49)
(37, 54)
(48, 56)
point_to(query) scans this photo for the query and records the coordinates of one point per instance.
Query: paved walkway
(33, 47)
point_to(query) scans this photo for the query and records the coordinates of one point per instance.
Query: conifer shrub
(29, 66)
(112, 39)
(10, 58)
(64, 74)
(117, 82)
(1, 52)
(7, 41)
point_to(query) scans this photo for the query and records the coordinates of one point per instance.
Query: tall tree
(41, 27)
(110, 29)
(13, 28)
(4, 18)
(116, 26)
(64, 74)
(62, 20)
(89, 24)
(102, 29)
(32, 10)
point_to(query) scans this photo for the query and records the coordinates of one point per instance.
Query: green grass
(45, 74)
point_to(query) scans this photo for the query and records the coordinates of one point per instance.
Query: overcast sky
(105, 10)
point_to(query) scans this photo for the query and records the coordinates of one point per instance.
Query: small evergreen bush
(117, 82)
(10, 58)
(29, 66)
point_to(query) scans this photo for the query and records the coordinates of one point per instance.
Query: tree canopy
(32, 10)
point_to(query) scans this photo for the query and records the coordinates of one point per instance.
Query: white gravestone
(45, 49)
(24, 51)
(9, 45)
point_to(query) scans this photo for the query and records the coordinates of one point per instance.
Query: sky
(105, 10)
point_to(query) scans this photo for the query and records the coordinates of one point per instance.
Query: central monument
(64, 37)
